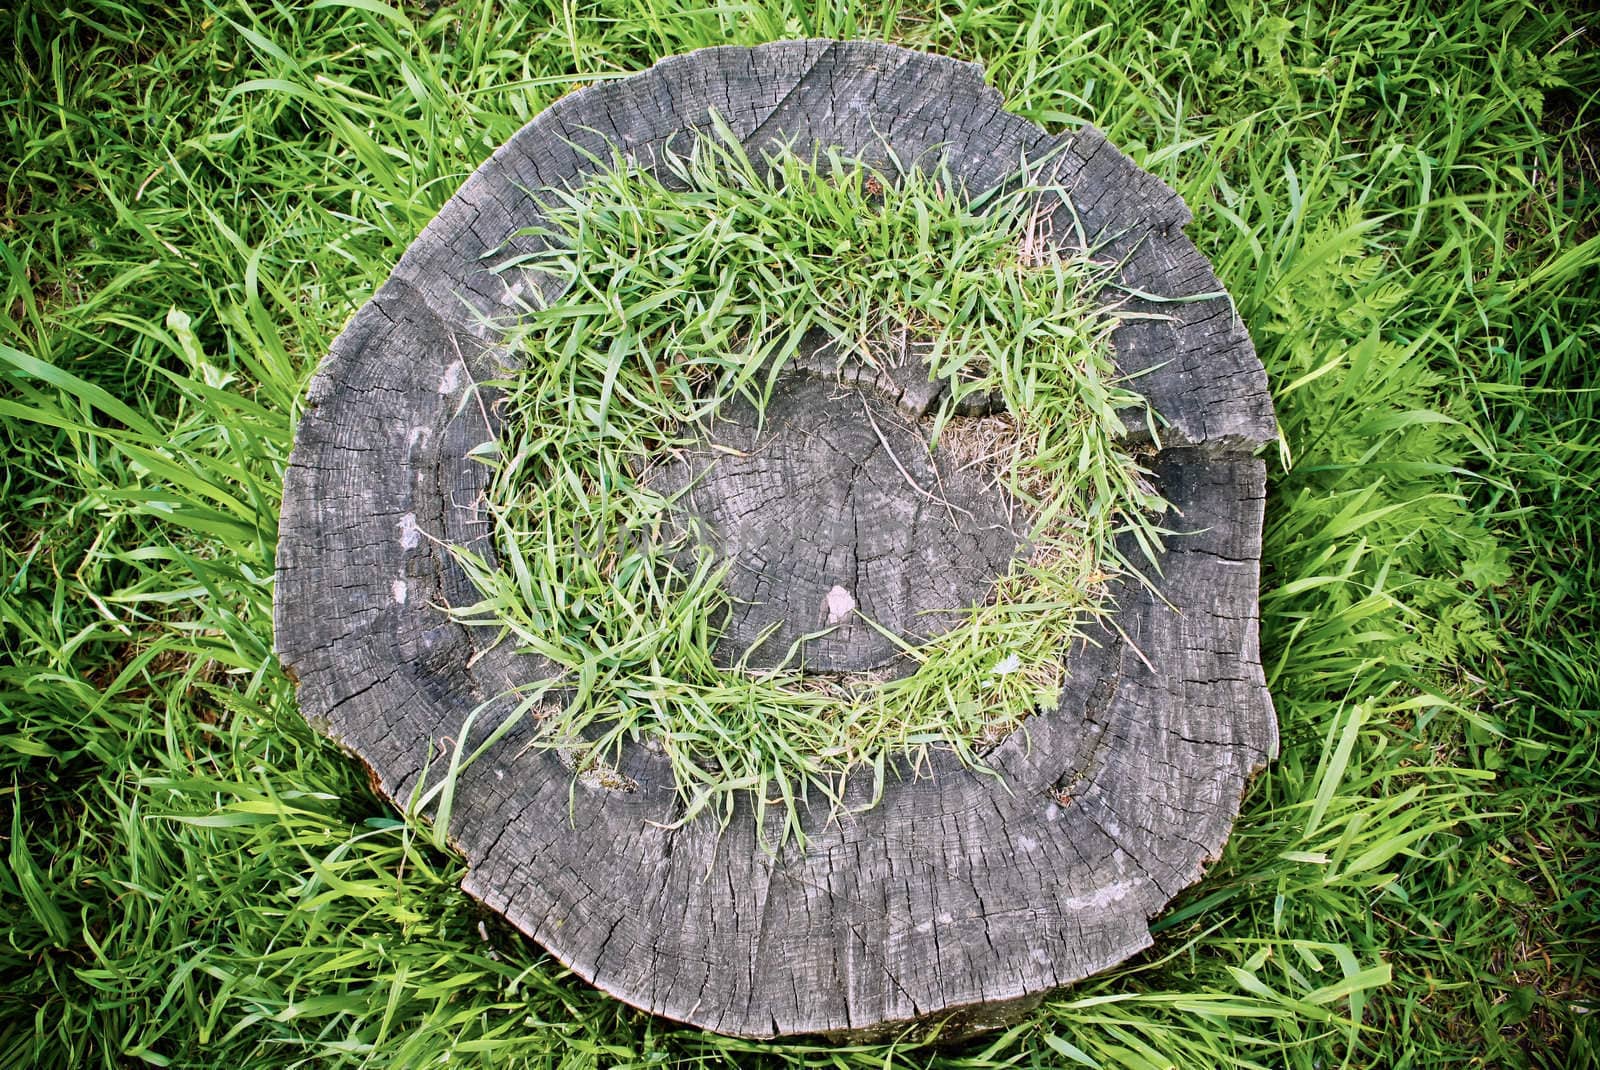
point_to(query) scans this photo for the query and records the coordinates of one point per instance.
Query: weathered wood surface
(830, 501)
(960, 896)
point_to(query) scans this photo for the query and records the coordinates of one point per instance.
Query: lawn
(1404, 201)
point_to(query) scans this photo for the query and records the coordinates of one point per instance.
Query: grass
(1401, 198)
(662, 320)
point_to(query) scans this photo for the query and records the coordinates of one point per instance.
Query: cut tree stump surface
(961, 897)
(829, 500)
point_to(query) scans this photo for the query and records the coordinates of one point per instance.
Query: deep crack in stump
(961, 897)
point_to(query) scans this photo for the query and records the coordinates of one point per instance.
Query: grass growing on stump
(684, 289)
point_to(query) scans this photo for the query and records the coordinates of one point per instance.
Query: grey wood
(830, 500)
(961, 897)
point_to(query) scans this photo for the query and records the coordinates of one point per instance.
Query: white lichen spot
(397, 590)
(1101, 897)
(451, 378)
(410, 534)
(1027, 843)
(838, 604)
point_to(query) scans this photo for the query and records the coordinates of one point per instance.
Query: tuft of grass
(684, 289)
(1404, 202)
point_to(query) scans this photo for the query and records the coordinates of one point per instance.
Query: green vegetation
(685, 290)
(1402, 199)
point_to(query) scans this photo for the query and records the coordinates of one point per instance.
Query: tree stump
(961, 898)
